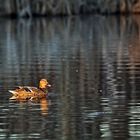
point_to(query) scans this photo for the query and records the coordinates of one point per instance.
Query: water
(93, 65)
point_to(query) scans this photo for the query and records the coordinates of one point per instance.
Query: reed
(28, 8)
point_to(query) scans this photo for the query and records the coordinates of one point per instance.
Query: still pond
(93, 65)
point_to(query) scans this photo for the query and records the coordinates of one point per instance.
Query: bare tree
(23, 8)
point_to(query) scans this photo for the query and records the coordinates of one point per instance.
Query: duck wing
(17, 90)
(26, 92)
(38, 93)
(25, 89)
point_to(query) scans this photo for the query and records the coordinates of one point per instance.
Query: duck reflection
(42, 104)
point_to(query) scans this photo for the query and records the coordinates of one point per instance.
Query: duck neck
(44, 90)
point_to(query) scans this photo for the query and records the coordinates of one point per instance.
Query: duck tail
(13, 92)
(13, 98)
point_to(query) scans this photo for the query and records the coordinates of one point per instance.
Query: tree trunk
(28, 8)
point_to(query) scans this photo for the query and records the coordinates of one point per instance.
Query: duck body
(29, 93)
(26, 92)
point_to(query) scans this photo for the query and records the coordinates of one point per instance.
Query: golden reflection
(44, 104)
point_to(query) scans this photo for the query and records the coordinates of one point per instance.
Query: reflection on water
(93, 65)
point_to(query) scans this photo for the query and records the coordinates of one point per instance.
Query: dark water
(93, 65)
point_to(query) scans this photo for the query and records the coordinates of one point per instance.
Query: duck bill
(48, 85)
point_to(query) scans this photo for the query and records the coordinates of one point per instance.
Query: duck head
(44, 84)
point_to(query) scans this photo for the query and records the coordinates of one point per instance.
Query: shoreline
(51, 8)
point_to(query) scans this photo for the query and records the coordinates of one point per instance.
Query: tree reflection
(89, 68)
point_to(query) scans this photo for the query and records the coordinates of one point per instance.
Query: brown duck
(31, 93)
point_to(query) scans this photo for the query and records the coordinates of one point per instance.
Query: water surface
(93, 65)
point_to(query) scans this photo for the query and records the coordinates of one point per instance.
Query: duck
(31, 93)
